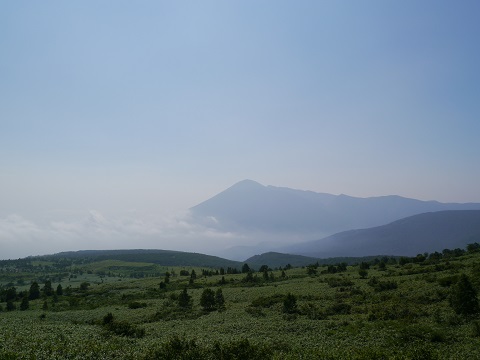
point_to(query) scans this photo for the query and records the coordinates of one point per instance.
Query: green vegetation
(425, 307)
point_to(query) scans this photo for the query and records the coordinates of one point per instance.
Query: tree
(193, 276)
(219, 299)
(246, 268)
(290, 304)
(265, 275)
(463, 297)
(184, 300)
(11, 295)
(34, 292)
(47, 288)
(207, 300)
(167, 277)
(84, 286)
(363, 273)
(364, 265)
(311, 270)
(24, 304)
(10, 305)
(474, 247)
(263, 268)
(59, 290)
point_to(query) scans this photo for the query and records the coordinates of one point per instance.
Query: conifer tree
(463, 297)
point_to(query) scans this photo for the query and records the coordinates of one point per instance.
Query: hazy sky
(128, 110)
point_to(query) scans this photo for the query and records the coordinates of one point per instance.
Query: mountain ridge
(426, 232)
(270, 213)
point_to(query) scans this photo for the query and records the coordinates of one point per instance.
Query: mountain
(251, 208)
(276, 260)
(410, 236)
(161, 257)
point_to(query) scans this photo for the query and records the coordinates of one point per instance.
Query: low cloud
(21, 237)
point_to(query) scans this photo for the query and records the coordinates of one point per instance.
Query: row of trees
(210, 300)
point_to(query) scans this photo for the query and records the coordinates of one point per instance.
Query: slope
(426, 232)
(249, 207)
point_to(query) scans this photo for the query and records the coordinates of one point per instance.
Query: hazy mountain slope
(426, 232)
(275, 259)
(161, 257)
(251, 207)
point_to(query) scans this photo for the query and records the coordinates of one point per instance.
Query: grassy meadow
(112, 309)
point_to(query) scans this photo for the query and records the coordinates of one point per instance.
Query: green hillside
(423, 307)
(162, 257)
(277, 260)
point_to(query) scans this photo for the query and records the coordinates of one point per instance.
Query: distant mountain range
(265, 212)
(249, 206)
(410, 236)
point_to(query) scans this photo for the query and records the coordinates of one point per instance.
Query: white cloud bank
(21, 237)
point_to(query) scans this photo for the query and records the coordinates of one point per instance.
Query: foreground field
(381, 310)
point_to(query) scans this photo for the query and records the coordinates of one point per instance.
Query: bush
(363, 273)
(382, 285)
(182, 349)
(339, 309)
(395, 311)
(122, 328)
(242, 349)
(448, 281)
(268, 301)
(311, 311)
(137, 305)
(338, 282)
(255, 311)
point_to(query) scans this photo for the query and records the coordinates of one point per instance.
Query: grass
(400, 312)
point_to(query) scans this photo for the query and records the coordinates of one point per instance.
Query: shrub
(448, 281)
(121, 328)
(136, 305)
(242, 349)
(268, 301)
(338, 282)
(255, 311)
(339, 309)
(311, 311)
(382, 285)
(363, 273)
(182, 349)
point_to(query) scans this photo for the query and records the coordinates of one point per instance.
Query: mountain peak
(247, 183)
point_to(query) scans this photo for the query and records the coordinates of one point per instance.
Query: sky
(116, 117)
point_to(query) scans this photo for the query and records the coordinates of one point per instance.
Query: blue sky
(153, 106)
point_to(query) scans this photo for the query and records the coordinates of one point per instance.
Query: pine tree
(463, 297)
(207, 300)
(290, 304)
(34, 292)
(184, 300)
(47, 288)
(219, 299)
(24, 305)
